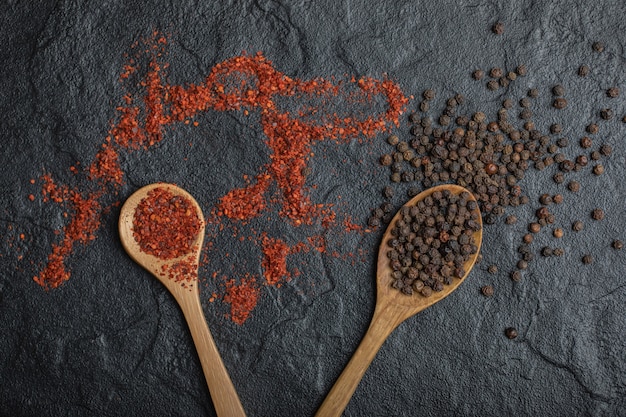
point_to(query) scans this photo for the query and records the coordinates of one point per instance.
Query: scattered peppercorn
(597, 46)
(493, 85)
(487, 290)
(557, 233)
(612, 92)
(558, 90)
(598, 169)
(478, 74)
(585, 142)
(606, 149)
(511, 332)
(592, 128)
(617, 244)
(498, 28)
(606, 114)
(573, 186)
(495, 72)
(597, 214)
(587, 259)
(559, 103)
(516, 276)
(577, 226)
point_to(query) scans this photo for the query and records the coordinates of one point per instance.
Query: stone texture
(111, 341)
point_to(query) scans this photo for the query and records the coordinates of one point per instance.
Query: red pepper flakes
(242, 297)
(166, 225)
(184, 271)
(243, 83)
(274, 261)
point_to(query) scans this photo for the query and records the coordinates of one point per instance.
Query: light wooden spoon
(186, 292)
(392, 308)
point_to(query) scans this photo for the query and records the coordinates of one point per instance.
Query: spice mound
(432, 240)
(166, 225)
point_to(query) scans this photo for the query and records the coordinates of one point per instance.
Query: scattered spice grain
(511, 332)
(487, 290)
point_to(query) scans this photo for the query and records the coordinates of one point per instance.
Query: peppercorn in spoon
(161, 227)
(427, 251)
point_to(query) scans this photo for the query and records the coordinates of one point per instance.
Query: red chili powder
(242, 297)
(166, 225)
(184, 271)
(248, 83)
(274, 261)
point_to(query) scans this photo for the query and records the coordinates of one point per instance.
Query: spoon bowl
(180, 276)
(392, 308)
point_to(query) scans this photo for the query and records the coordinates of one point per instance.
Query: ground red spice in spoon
(243, 83)
(166, 225)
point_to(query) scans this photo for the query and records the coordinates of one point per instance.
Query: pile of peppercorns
(431, 242)
(492, 157)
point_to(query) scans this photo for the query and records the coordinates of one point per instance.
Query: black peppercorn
(606, 114)
(597, 46)
(606, 150)
(386, 160)
(587, 259)
(592, 128)
(428, 94)
(573, 186)
(558, 178)
(597, 214)
(487, 290)
(511, 332)
(598, 169)
(617, 244)
(583, 71)
(612, 92)
(521, 70)
(493, 85)
(559, 103)
(585, 142)
(478, 74)
(577, 226)
(558, 90)
(498, 28)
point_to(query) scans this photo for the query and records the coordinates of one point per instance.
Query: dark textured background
(112, 342)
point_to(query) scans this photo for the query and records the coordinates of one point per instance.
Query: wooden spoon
(186, 292)
(392, 308)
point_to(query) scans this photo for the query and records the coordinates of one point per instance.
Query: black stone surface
(112, 342)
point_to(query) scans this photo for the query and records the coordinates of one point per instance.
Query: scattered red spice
(274, 261)
(184, 271)
(166, 225)
(243, 83)
(242, 297)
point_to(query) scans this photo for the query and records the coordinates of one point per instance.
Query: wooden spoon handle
(339, 396)
(223, 393)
